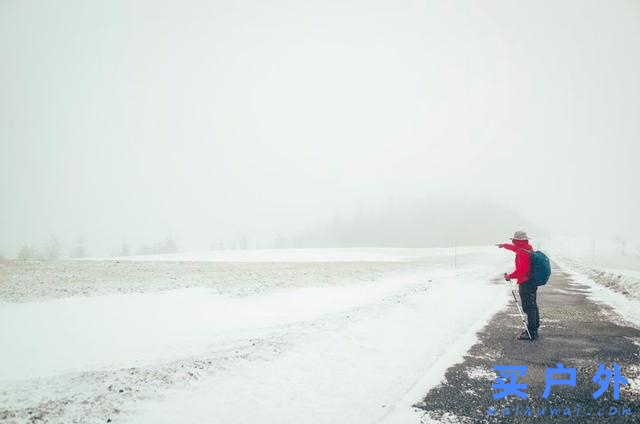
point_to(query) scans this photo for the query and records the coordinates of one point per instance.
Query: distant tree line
(168, 245)
(53, 250)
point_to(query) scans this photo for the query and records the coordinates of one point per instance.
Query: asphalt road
(576, 332)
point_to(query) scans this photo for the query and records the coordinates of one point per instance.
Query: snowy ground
(616, 283)
(607, 262)
(289, 340)
(621, 275)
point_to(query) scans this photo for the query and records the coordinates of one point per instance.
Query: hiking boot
(525, 336)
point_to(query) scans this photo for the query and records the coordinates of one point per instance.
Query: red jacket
(523, 261)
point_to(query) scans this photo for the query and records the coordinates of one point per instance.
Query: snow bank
(620, 293)
(621, 281)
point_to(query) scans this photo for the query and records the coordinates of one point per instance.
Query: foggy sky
(208, 120)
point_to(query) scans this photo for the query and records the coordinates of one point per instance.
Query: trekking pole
(524, 322)
(515, 298)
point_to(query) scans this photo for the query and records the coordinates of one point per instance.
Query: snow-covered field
(301, 255)
(270, 336)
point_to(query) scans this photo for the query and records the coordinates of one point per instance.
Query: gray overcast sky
(201, 119)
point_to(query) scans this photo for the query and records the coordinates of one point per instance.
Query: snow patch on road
(479, 373)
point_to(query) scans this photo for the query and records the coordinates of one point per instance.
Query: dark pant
(529, 306)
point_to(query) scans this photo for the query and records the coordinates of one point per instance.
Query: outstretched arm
(507, 246)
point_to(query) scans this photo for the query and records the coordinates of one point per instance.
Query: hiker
(526, 288)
